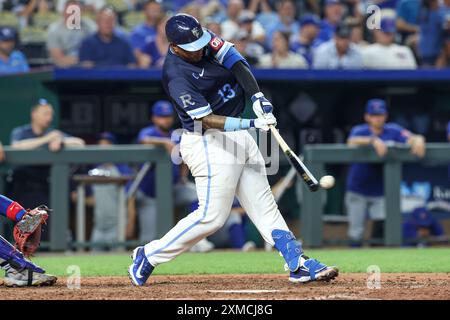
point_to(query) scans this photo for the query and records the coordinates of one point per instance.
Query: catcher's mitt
(27, 232)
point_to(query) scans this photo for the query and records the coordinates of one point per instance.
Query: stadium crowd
(319, 34)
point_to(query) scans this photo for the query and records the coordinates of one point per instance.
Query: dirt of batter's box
(347, 286)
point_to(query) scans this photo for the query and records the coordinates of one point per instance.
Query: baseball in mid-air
(327, 182)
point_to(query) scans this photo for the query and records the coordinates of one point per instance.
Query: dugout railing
(60, 175)
(319, 155)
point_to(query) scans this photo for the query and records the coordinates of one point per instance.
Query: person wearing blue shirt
(11, 60)
(408, 17)
(333, 12)
(338, 53)
(420, 226)
(146, 31)
(106, 198)
(431, 34)
(160, 133)
(365, 181)
(106, 48)
(284, 21)
(306, 41)
(154, 52)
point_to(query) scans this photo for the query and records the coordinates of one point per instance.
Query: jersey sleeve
(224, 52)
(187, 97)
(402, 134)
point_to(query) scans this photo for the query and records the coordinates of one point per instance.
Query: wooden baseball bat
(302, 170)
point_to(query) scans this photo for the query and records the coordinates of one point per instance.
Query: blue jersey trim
(231, 57)
(208, 191)
(199, 112)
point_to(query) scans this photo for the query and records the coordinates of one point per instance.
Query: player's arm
(227, 55)
(417, 143)
(73, 142)
(33, 143)
(213, 121)
(378, 144)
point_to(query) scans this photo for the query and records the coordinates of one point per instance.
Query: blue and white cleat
(141, 269)
(302, 269)
(313, 270)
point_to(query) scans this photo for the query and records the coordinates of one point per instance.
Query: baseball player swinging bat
(208, 81)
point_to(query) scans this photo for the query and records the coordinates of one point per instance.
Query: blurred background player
(19, 271)
(30, 183)
(159, 133)
(420, 227)
(106, 196)
(365, 181)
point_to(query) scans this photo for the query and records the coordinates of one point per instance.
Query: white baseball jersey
(394, 56)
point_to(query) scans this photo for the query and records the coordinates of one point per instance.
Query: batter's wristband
(233, 124)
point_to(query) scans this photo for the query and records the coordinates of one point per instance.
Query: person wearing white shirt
(230, 26)
(385, 53)
(281, 56)
(339, 52)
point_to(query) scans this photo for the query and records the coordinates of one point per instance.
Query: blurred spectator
(305, 43)
(284, 21)
(420, 227)
(23, 9)
(281, 56)
(254, 29)
(11, 60)
(231, 25)
(250, 50)
(241, 20)
(105, 47)
(431, 33)
(146, 32)
(2, 153)
(358, 35)
(384, 53)
(338, 53)
(159, 134)
(408, 17)
(106, 204)
(443, 60)
(365, 181)
(63, 44)
(333, 14)
(154, 52)
(263, 10)
(213, 25)
(30, 185)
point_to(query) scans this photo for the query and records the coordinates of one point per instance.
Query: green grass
(389, 260)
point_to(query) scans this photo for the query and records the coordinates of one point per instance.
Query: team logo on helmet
(196, 32)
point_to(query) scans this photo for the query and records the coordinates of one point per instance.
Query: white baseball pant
(224, 164)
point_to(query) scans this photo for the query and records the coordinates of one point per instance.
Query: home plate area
(348, 286)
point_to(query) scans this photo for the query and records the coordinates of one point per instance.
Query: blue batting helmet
(186, 32)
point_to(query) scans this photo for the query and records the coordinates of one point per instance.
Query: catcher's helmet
(186, 32)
